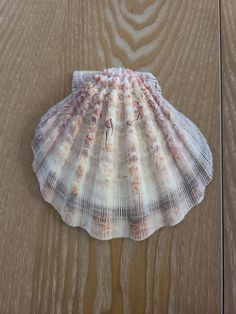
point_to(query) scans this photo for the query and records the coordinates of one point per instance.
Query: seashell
(117, 159)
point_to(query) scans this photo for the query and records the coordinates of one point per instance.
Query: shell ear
(152, 81)
(79, 77)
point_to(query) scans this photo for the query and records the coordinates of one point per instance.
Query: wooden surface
(49, 267)
(229, 151)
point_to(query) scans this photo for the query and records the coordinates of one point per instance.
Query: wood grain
(49, 267)
(228, 9)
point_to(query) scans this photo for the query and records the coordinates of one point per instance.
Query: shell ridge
(51, 111)
(62, 111)
(141, 216)
(56, 135)
(148, 178)
(65, 172)
(46, 180)
(54, 144)
(134, 169)
(52, 129)
(200, 143)
(152, 81)
(187, 142)
(164, 183)
(87, 141)
(157, 170)
(98, 162)
(189, 124)
(178, 157)
(113, 211)
(80, 77)
(185, 122)
(66, 116)
(148, 148)
(43, 121)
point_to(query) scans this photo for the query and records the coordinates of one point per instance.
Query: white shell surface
(117, 159)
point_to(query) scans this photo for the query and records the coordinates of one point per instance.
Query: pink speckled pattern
(117, 159)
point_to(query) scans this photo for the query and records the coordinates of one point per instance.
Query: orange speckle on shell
(79, 171)
(135, 187)
(74, 188)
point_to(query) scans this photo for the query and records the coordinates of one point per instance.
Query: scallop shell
(117, 159)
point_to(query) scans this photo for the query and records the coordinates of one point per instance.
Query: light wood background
(228, 27)
(49, 267)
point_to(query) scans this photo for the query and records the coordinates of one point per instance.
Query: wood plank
(49, 267)
(228, 10)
